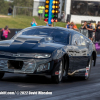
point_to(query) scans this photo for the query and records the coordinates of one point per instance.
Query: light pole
(50, 12)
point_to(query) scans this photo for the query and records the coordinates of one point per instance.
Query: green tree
(4, 5)
(23, 3)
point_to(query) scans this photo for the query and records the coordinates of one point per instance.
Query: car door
(80, 52)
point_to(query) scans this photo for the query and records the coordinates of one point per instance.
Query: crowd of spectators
(91, 30)
(71, 26)
(89, 27)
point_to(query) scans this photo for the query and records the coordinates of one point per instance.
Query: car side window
(83, 42)
(60, 36)
(78, 40)
(87, 41)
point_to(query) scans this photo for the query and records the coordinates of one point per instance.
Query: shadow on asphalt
(38, 79)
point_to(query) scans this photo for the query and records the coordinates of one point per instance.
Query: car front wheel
(58, 78)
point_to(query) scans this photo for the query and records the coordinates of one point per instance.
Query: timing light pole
(50, 12)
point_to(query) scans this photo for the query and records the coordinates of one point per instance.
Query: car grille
(24, 68)
(13, 64)
(3, 64)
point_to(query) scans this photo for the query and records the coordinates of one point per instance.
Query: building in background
(74, 10)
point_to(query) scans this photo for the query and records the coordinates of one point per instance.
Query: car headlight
(43, 67)
(33, 55)
(42, 56)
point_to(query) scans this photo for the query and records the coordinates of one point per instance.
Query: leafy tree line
(4, 5)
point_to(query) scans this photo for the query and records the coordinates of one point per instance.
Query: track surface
(73, 89)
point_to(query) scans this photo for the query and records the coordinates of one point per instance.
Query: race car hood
(29, 44)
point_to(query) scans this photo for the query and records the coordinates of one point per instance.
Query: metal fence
(17, 10)
(84, 32)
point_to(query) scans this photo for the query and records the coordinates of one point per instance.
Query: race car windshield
(58, 35)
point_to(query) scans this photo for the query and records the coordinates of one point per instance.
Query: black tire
(65, 71)
(58, 78)
(1, 75)
(86, 77)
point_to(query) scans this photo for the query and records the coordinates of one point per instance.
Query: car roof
(61, 28)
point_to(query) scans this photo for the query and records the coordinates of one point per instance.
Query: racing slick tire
(1, 75)
(65, 70)
(58, 78)
(88, 70)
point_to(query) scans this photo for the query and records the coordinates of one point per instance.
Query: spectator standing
(75, 27)
(10, 11)
(98, 31)
(90, 31)
(33, 23)
(71, 25)
(40, 11)
(85, 25)
(68, 25)
(5, 31)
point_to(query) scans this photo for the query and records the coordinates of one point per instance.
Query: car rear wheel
(1, 75)
(58, 78)
(88, 70)
(65, 70)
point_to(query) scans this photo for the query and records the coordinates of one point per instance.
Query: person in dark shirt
(85, 25)
(90, 31)
(68, 25)
(98, 32)
(98, 27)
(10, 11)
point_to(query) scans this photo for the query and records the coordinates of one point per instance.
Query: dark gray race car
(57, 52)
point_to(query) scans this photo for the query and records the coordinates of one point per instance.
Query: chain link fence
(17, 10)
